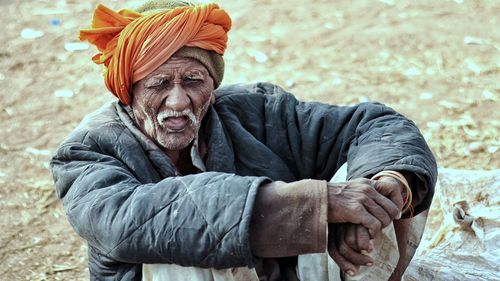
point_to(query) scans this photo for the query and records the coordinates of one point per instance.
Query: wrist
(289, 219)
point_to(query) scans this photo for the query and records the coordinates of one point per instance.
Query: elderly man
(180, 179)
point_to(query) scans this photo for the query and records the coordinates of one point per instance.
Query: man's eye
(193, 80)
(161, 83)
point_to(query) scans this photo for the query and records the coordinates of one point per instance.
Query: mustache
(162, 117)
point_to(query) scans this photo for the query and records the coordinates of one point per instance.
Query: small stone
(76, 46)
(472, 66)
(55, 22)
(36, 151)
(487, 94)
(10, 111)
(363, 99)
(260, 57)
(448, 104)
(430, 71)
(412, 71)
(289, 83)
(29, 33)
(471, 40)
(337, 81)
(388, 2)
(426, 96)
(434, 125)
(477, 147)
(329, 25)
(492, 149)
(63, 93)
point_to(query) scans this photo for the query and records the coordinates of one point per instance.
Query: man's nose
(177, 98)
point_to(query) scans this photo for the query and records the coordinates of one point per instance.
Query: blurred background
(437, 62)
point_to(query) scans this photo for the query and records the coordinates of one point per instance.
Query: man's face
(170, 102)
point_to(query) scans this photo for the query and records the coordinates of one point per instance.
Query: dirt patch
(436, 62)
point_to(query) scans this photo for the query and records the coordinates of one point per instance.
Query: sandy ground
(438, 62)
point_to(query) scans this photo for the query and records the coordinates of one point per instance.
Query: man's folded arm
(196, 220)
(316, 139)
(370, 137)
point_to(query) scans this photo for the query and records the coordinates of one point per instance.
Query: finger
(350, 236)
(345, 265)
(363, 239)
(378, 211)
(391, 206)
(349, 254)
(397, 188)
(371, 223)
(353, 257)
(391, 188)
(378, 204)
(381, 190)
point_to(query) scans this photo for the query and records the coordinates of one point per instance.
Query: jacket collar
(220, 153)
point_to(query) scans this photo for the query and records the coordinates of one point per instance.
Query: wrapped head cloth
(132, 44)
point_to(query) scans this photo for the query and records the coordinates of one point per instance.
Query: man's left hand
(349, 245)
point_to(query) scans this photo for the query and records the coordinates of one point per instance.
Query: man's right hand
(363, 201)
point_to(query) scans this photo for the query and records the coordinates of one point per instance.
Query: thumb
(391, 188)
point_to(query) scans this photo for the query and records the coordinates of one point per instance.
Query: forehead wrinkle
(200, 72)
(177, 68)
(184, 62)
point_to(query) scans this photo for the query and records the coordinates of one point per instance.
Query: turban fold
(132, 45)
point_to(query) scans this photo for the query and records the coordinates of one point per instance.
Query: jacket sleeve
(315, 139)
(197, 220)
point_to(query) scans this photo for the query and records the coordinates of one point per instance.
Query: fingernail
(369, 264)
(399, 216)
(364, 252)
(350, 273)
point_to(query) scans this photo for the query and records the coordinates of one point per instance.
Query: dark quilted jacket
(124, 196)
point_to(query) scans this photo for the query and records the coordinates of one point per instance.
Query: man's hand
(348, 245)
(392, 189)
(373, 204)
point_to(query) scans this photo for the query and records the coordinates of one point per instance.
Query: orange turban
(133, 45)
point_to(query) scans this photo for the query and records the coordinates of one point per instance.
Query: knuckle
(343, 249)
(331, 249)
(350, 240)
(344, 265)
(363, 244)
(399, 202)
(386, 221)
(381, 187)
(364, 199)
(357, 206)
(394, 212)
(366, 189)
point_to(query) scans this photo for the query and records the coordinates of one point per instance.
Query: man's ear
(212, 98)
